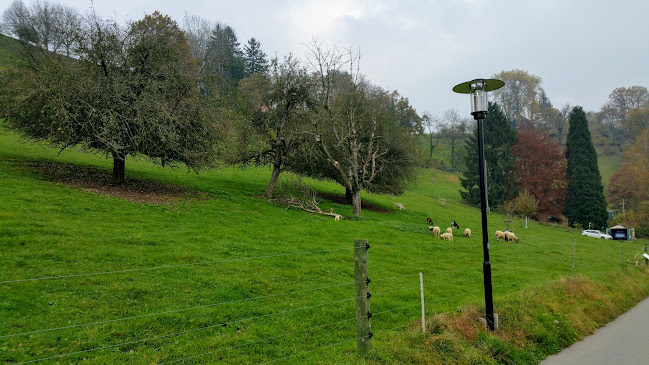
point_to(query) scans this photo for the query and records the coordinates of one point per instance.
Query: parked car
(595, 233)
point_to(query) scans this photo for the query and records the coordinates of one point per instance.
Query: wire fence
(329, 317)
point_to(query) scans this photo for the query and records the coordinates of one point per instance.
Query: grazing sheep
(467, 233)
(435, 230)
(455, 225)
(510, 236)
(446, 236)
(429, 221)
(449, 230)
(500, 234)
(400, 206)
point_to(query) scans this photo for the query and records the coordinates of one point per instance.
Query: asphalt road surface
(623, 341)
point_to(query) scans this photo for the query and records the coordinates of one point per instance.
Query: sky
(581, 49)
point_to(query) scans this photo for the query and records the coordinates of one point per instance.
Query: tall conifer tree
(499, 136)
(585, 202)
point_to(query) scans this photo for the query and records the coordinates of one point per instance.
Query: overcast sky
(582, 49)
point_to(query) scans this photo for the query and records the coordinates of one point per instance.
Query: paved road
(623, 341)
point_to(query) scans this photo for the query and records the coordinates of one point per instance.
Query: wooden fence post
(362, 280)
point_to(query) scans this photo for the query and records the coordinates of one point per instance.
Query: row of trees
(189, 97)
(531, 163)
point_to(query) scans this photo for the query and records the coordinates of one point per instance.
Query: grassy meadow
(219, 274)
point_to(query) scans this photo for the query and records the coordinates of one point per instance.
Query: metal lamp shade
(478, 89)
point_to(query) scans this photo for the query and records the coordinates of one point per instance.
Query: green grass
(270, 310)
(608, 164)
(9, 51)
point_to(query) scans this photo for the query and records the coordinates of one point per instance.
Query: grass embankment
(608, 164)
(232, 286)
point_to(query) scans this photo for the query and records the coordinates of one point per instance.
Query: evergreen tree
(224, 53)
(499, 136)
(254, 59)
(585, 202)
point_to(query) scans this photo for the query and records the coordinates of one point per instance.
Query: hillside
(9, 51)
(212, 272)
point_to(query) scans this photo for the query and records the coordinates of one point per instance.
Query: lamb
(446, 236)
(500, 234)
(429, 221)
(467, 233)
(435, 230)
(455, 225)
(449, 230)
(510, 236)
(400, 206)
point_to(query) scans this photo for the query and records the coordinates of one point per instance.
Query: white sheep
(400, 206)
(435, 230)
(467, 233)
(449, 230)
(510, 236)
(446, 236)
(500, 234)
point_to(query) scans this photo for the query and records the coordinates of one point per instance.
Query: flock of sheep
(448, 235)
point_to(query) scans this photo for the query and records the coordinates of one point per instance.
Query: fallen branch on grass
(307, 203)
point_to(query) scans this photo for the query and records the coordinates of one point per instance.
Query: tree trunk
(348, 196)
(277, 169)
(119, 163)
(431, 145)
(356, 204)
(273, 181)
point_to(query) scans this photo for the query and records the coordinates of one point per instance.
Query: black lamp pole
(486, 265)
(479, 108)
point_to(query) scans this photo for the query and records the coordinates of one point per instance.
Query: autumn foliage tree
(540, 168)
(631, 184)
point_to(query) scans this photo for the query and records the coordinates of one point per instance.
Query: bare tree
(347, 113)
(66, 22)
(17, 21)
(454, 130)
(51, 26)
(198, 31)
(431, 124)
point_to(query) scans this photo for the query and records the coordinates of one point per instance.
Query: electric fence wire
(171, 266)
(333, 345)
(201, 328)
(284, 335)
(193, 308)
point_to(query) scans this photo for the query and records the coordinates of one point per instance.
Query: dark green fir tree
(585, 202)
(499, 136)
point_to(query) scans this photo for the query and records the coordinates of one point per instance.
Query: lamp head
(478, 89)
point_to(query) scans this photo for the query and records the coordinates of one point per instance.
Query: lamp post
(478, 89)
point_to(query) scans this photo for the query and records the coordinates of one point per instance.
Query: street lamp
(478, 89)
